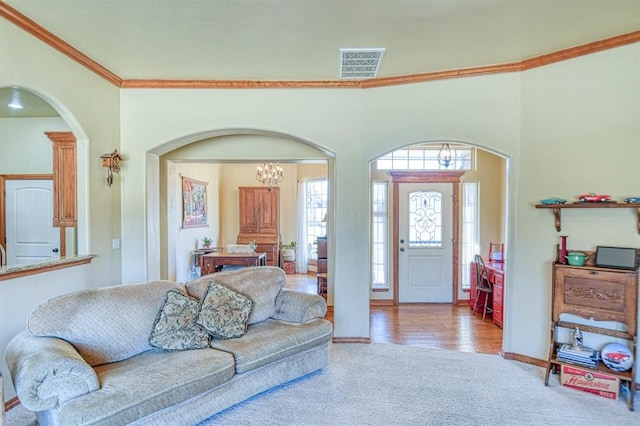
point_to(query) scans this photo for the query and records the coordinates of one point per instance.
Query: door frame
(452, 177)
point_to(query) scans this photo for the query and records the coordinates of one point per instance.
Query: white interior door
(31, 236)
(425, 261)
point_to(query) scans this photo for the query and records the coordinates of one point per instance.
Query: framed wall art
(194, 203)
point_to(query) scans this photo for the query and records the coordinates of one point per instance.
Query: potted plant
(206, 242)
(289, 251)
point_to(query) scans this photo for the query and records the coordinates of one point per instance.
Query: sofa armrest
(295, 306)
(47, 371)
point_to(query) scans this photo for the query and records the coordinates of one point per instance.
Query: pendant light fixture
(446, 156)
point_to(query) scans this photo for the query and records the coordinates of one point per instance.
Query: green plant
(253, 246)
(290, 246)
(206, 241)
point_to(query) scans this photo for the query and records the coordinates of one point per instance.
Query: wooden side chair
(483, 287)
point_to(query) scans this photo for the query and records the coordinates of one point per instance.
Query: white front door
(31, 237)
(425, 260)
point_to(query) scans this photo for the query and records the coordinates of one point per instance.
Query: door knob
(401, 248)
(402, 241)
(55, 250)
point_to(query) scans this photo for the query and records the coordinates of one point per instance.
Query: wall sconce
(111, 161)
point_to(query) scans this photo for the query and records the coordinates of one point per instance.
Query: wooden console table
(210, 261)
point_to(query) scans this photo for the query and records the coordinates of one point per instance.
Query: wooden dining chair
(483, 286)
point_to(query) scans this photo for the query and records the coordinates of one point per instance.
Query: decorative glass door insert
(425, 219)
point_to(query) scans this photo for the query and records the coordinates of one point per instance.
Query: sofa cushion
(175, 327)
(260, 283)
(224, 312)
(272, 340)
(105, 324)
(146, 383)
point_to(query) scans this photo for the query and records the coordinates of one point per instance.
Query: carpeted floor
(381, 384)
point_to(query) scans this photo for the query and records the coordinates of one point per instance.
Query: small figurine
(577, 338)
(593, 198)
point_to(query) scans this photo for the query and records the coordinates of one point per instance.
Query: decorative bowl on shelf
(617, 357)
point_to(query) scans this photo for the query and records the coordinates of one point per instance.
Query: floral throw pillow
(175, 327)
(224, 312)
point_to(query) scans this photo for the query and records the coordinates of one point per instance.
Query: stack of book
(578, 355)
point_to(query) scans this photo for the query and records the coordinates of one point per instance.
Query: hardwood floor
(438, 326)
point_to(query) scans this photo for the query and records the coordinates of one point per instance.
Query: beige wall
(90, 108)
(490, 173)
(580, 132)
(24, 147)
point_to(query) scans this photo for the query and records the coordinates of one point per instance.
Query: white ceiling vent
(360, 63)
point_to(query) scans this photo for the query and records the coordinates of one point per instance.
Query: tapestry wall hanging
(194, 203)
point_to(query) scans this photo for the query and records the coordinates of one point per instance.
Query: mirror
(27, 155)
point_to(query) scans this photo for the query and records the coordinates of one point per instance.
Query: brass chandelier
(269, 175)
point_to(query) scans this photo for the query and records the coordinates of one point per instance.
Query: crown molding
(582, 50)
(20, 20)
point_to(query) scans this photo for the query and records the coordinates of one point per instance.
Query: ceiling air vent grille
(360, 63)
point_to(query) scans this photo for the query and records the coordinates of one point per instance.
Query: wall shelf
(601, 205)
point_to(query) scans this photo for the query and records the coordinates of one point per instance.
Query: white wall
(89, 107)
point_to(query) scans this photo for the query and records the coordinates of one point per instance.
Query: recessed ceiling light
(15, 99)
(360, 63)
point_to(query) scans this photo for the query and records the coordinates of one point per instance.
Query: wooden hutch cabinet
(260, 221)
(599, 294)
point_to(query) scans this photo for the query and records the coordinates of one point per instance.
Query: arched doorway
(230, 157)
(489, 174)
(43, 113)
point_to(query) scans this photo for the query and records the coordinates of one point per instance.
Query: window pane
(316, 205)
(425, 158)
(470, 245)
(379, 231)
(425, 219)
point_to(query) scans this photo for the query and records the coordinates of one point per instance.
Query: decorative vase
(289, 255)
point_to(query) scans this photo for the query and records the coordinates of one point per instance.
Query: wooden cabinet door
(64, 179)
(268, 209)
(249, 214)
(259, 210)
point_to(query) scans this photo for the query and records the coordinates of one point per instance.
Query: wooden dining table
(214, 262)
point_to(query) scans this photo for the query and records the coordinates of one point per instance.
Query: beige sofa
(91, 357)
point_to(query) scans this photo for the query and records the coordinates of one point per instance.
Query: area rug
(383, 384)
